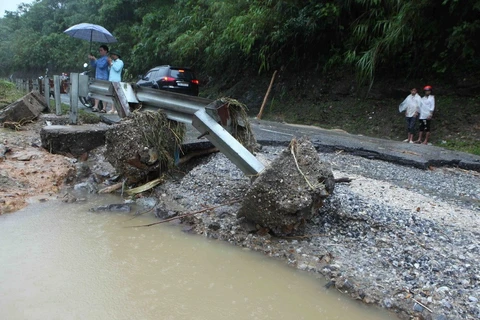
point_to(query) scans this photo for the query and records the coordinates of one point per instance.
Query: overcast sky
(11, 5)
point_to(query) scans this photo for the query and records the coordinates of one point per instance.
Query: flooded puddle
(60, 261)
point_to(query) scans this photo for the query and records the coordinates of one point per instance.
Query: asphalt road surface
(275, 133)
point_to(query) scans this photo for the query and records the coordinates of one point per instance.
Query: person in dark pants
(101, 68)
(426, 112)
(411, 106)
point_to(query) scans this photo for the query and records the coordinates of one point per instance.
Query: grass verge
(84, 116)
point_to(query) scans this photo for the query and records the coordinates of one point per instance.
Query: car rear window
(162, 72)
(182, 74)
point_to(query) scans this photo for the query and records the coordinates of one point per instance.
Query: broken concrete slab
(27, 108)
(289, 191)
(53, 119)
(73, 140)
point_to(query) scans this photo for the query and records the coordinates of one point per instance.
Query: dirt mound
(28, 171)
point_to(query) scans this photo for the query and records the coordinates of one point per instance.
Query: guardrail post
(56, 92)
(120, 101)
(46, 88)
(227, 144)
(74, 98)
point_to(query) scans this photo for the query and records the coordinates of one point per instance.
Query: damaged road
(397, 236)
(324, 140)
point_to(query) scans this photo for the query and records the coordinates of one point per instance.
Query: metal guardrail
(210, 118)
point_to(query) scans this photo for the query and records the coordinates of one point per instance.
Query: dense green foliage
(316, 45)
(8, 93)
(408, 38)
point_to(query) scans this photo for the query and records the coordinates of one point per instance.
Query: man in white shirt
(411, 106)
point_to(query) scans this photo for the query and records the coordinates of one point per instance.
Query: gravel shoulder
(398, 237)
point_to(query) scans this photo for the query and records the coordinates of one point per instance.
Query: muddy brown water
(60, 261)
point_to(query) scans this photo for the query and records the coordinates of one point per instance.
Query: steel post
(58, 101)
(82, 85)
(46, 86)
(227, 144)
(74, 98)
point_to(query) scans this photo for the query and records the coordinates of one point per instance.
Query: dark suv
(180, 80)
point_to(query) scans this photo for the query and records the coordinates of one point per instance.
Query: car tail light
(195, 81)
(168, 79)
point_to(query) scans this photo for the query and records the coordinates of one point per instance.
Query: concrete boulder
(28, 108)
(289, 191)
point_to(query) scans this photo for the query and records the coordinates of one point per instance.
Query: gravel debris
(398, 237)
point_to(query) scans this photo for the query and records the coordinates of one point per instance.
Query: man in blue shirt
(101, 67)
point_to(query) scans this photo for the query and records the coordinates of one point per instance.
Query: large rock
(285, 195)
(73, 140)
(29, 107)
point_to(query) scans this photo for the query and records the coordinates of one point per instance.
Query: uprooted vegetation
(143, 146)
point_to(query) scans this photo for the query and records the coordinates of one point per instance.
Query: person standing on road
(411, 106)
(101, 68)
(115, 66)
(115, 70)
(426, 112)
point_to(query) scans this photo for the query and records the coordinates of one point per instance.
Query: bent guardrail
(210, 118)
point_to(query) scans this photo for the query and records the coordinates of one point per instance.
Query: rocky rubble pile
(398, 237)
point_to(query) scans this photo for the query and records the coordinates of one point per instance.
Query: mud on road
(29, 173)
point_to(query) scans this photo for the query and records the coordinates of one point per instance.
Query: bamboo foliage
(233, 36)
(381, 32)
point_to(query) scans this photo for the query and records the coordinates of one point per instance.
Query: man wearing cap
(115, 71)
(426, 112)
(115, 66)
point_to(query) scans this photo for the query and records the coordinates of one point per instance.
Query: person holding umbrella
(101, 68)
(93, 33)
